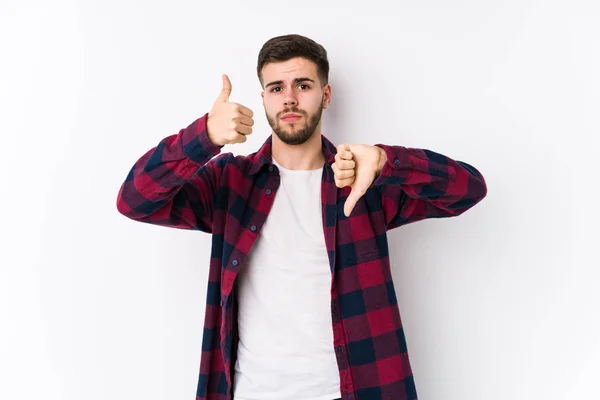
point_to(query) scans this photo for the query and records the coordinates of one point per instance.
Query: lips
(291, 117)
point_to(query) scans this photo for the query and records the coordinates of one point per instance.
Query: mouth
(291, 117)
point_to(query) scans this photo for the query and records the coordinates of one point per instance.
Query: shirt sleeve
(416, 184)
(174, 183)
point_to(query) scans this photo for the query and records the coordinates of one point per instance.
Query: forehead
(289, 70)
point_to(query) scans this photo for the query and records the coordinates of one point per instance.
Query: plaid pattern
(186, 183)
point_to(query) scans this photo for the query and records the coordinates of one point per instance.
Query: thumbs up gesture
(228, 122)
(357, 166)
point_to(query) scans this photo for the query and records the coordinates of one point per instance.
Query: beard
(292, 134)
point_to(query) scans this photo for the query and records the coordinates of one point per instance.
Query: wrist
(382, 159)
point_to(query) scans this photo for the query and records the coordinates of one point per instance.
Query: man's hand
(228, 122)
(357, 166)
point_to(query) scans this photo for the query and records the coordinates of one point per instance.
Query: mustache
(291, 110)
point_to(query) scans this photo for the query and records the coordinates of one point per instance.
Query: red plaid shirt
(186, 183)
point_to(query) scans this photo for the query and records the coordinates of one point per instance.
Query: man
(300, 300)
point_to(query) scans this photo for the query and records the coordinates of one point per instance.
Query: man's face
(294, 99)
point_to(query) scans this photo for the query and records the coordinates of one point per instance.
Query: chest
(293, 216)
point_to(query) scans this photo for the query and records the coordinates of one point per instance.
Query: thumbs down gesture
(357, 166)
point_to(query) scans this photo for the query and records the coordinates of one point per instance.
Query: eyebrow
(297, 80)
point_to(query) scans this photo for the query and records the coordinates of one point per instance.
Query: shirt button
(253, 228)
(234, 262)
(271, 168)
(397, 162)
(222, 303)
(269, 191)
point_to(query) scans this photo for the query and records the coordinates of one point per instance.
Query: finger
(344, 152)
(225, 90)
(341, 173)
(335, 167)
(243, 110)
(239, 139)
(244, 120)
(345, 174)
(341, 183)
(344, 164)
(243, 129)
(351, 202)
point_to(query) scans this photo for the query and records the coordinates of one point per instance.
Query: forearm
(160, 174)
(451, 186)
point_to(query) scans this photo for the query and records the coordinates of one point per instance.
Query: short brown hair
(286, 47)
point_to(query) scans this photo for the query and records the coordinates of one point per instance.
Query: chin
(294, 133)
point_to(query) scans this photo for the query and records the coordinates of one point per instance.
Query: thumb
(225, 91)
(351, 202)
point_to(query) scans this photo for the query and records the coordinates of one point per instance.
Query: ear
(326, 95)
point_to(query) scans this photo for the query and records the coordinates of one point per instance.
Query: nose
(290, 100)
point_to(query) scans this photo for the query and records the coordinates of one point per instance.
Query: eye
(302, 86)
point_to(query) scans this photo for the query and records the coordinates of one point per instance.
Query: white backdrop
(499, 303)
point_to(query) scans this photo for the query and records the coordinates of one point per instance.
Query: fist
(356, 166)
(344, 167)
(228, 122)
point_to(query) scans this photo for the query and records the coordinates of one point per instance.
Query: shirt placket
(231, 269)
(329, 209)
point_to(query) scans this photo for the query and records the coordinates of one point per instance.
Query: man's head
(294, 72)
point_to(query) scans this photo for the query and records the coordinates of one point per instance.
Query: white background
(499, 303)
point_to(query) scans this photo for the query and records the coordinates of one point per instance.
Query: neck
(305, 156)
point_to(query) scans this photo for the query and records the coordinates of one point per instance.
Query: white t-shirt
(285, 349)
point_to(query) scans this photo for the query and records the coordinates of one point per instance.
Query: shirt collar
(263, 156)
